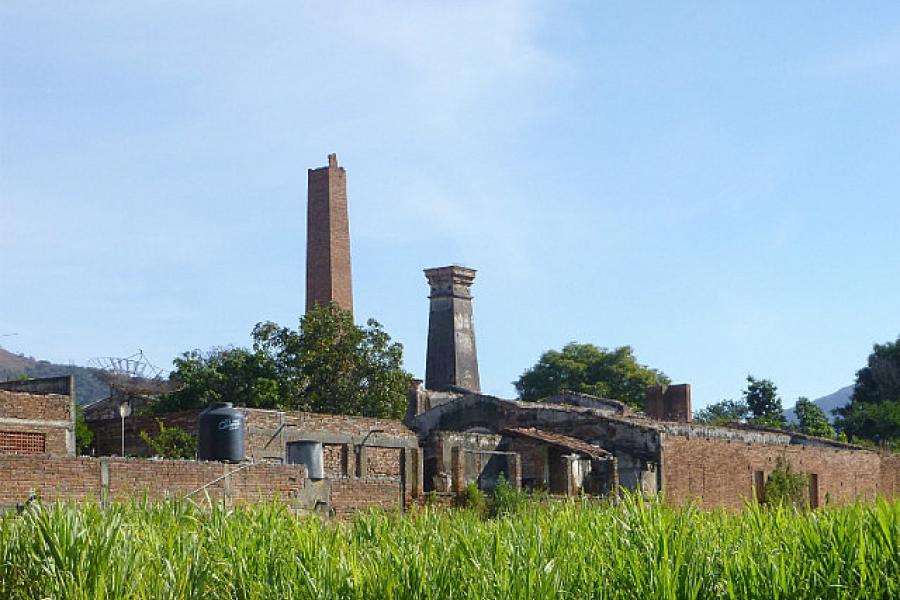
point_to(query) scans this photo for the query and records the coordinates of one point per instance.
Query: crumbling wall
(606, 405)
(108, 432)
(535, 463)
(483, 468)
(265, 431)
(719, 472)
(637, 438)
(438, 455)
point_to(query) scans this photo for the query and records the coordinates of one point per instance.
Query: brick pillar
(412, 464)
(362, 461)
(614, 476)
(328, 274)
(653, 402)
(451, 358)
(514, 466)
(678, 403)
(457, 470)
(669, 402)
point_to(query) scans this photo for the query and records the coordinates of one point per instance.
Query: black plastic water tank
(221, 429)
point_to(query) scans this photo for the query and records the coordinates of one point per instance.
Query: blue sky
(714, 184)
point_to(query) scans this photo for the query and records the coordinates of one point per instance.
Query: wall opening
(759, 486)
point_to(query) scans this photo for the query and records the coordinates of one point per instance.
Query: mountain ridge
(827, 403)
(88, 388)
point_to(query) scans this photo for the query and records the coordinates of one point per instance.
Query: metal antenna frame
(134, 375)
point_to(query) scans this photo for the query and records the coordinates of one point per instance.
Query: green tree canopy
(812, 420)
(761, 397)
(873, 413)
(724, 412)
(331, 365)
(328, 364)
(587, 369)
(238, 375)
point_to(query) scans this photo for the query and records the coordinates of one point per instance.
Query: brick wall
(52, 477)
(120, 479)
(348, 495)
(335, 459)
(108, 432)
(264, 434)
(79, 479)
(44, 407)
(535, 468)
(382, 462)
(156, 480)
(721, 472)
(340, 423)
(36, 422)
(889, 484)
(668, 402)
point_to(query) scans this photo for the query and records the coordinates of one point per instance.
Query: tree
(762, 399)
(587, 369)
(331, 365)
(723, 413)
(171, 442)
(237, 375)
(873, 413)
(811, 419)
(328, 364)
(84, 436)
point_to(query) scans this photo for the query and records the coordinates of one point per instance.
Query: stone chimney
(669, 402)
(328, 274)
(452, 361)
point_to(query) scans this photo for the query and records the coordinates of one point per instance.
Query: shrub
(171, 442)
(473, 499)
(506, 499)
(786, 486)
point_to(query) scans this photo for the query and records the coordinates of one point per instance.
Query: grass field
(565, 550)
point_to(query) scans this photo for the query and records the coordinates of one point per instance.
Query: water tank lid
(222, 405)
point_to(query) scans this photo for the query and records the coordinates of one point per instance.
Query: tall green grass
(568, 550)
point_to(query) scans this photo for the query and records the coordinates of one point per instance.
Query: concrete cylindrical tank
(221, 430)
(308, 453)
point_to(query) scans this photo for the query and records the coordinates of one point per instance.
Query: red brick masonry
(117, 479)
(31, 423)
(716, 472)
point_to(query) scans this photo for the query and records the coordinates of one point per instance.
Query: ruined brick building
(452, 436)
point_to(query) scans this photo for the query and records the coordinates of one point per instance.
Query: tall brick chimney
(328, 274)
(451, 360)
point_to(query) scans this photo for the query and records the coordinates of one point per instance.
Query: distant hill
(826, 403)
(87, 387)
